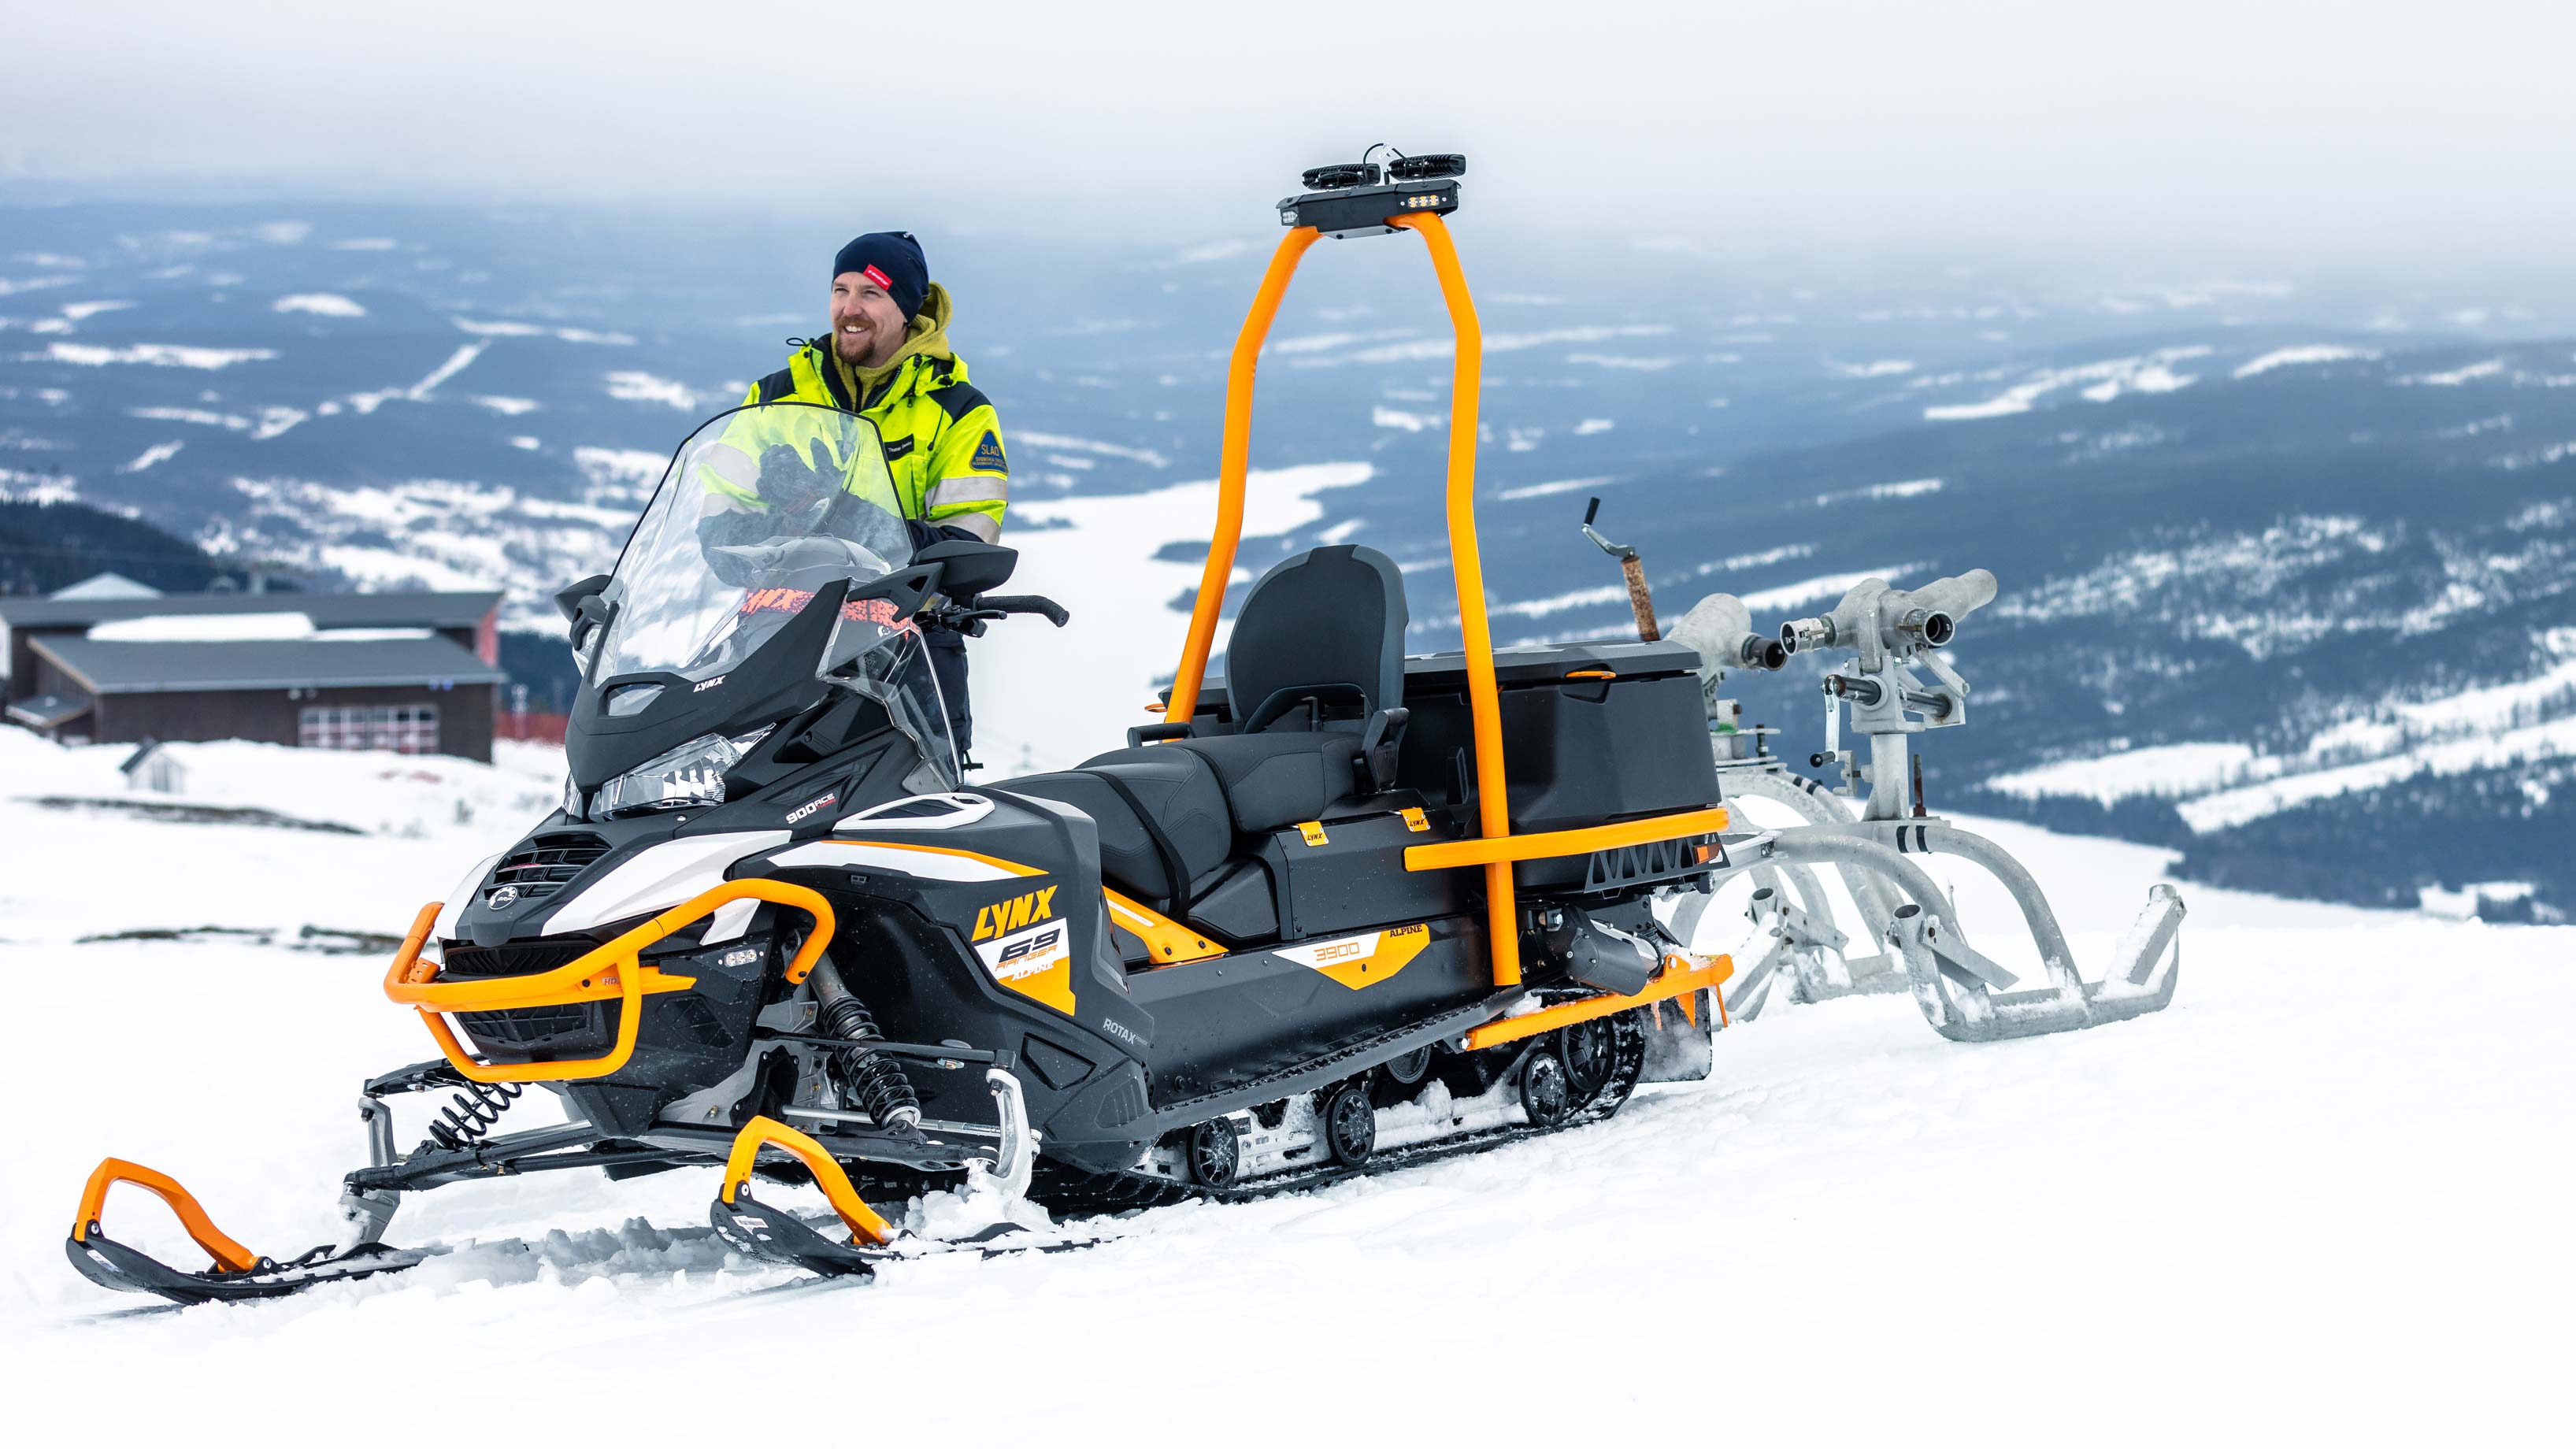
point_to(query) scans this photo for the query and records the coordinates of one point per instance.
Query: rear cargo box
(1592, 733)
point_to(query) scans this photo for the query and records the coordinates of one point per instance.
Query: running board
(1333, 1066)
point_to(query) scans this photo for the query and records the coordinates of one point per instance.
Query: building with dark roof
(417, 673)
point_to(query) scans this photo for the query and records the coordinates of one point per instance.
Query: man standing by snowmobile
(887, 359)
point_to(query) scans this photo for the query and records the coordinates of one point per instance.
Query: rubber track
(1071, 1189)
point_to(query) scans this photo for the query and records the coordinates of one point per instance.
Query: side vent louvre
(544, 864)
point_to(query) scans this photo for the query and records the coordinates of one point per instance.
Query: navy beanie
(892, 260)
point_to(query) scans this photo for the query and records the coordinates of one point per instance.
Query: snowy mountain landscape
(2285, 561)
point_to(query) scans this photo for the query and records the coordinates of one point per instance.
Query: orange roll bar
(229, 1256)
(1677, 979)
(1502, 913)
(612, 972)
(864, 1224)
(1234, 463)
(1548, 844)
(1467, 568)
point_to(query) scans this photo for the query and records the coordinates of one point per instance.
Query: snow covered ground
(2315, 1200)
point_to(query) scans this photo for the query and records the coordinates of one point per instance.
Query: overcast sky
(2359, 129)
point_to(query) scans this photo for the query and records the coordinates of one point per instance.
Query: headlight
(691, 775)
(572, 799)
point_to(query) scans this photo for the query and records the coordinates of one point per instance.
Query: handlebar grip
(1026, 604)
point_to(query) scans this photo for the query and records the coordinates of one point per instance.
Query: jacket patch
(988, 455)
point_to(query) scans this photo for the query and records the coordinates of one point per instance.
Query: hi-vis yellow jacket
(943, 442)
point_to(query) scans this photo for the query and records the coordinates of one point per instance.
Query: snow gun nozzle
(1873, 616)
(1931, 626)
(1801, 635)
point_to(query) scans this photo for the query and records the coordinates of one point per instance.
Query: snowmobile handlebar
(970, 619)
(1038, 604)
(613, 972)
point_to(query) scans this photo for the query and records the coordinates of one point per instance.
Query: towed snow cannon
(1964, 994)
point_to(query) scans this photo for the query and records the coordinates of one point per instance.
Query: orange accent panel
(230, 1256)
(1234, 461)
(1360, 962)
(1167, 941)
(864, 1224)
(612, 972)
(1676, 979)
(1499, 851)
(1592, 674)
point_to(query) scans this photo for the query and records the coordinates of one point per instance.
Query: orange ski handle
(229, 1256)
(611, 972)
(864, 1224)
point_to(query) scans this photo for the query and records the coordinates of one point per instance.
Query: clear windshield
(762, 507)
(892, 666)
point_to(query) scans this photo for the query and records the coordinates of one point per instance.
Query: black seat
(1162, 818)
(1321, 637)
(1319, 645)
(1315, 664)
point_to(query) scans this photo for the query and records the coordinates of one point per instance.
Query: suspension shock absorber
(469, 1118)
(871, 1080)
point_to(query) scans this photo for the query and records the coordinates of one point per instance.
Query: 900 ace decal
(1358, 961)
(1037, 963)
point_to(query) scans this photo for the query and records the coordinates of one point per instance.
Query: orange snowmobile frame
(1498, 847)
(613, 972)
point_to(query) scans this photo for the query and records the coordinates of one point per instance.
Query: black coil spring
(874, 1081)
(470, 1117)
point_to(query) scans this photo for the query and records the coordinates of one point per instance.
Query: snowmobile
(1339, 908)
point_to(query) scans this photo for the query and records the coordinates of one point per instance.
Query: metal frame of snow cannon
(1965, 995)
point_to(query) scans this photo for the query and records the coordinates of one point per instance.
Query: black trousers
(948, 664)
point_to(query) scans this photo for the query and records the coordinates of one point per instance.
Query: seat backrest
(1329, 619)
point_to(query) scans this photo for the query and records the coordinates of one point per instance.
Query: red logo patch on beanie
(881, 279)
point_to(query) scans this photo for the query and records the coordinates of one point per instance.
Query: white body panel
(661, 877)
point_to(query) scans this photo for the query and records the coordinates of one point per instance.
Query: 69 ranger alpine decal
(1037, 963)
(1358, 961)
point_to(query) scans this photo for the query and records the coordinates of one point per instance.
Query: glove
(790, 484)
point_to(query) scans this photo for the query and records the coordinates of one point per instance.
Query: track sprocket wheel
(1215, 1153)
(1350, 1124)
(1546, 1093)
(1591, 1050)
